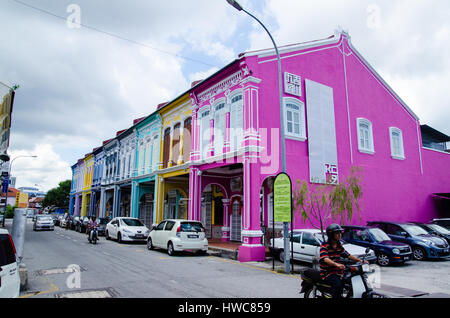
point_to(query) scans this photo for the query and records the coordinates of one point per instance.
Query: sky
(88, 68)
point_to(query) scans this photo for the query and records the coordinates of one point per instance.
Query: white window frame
(218, 143)
(236, 133)
(401, 154)
(370, 149)
(301, 135)
(204, 143)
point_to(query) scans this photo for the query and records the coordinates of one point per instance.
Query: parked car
(436, 230)
(1, 218)
(101, 230)
(82, 224)
(423, 245)
(9, 269)
(386, 250)
(442, 222)
(126, 229)
(74, 222)
(178, 235)
(43, 222)
(55, 218)
(307, 243)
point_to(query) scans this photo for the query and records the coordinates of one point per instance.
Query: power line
(113, 34)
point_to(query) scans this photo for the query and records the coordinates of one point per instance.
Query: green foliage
(58, 196)
(9, 214)
(324, 202)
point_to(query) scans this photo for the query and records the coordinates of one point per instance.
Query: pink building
(339, 113)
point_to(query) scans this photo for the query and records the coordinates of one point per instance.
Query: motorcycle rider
(331, 251)
(92, 223)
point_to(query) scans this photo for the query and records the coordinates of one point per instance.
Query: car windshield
(132, 222)
(191, 227)
(379, 235)
(45, 218)
(439, 229)
(414, 230)
(319, 237)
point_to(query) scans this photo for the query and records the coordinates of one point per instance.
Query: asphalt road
(129, 270)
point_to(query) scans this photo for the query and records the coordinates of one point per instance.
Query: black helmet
(333, 228)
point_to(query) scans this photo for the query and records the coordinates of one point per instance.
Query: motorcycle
(93, 235)
(355, 279)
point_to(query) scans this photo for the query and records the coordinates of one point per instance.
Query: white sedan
(126, 229)
(178, 235)
(307, 246)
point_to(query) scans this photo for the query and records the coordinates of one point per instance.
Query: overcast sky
(78, 86)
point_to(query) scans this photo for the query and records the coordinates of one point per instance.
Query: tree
(322, 202)
(58, 196)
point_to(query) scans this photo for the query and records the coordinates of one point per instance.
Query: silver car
(43, 222)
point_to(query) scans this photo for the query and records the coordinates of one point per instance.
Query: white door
(235, 222)
(236, 122)
(166, 234)
(157, 234)
(9, 272)
(204, 133)
(308, 247)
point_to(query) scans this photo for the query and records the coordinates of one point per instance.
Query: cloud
(405, 41)
(45, 171)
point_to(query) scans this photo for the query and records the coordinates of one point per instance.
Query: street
(129, 270)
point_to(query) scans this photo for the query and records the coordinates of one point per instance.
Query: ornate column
(195, 134)
(226, 220)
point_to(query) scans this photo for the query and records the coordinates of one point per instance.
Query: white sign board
(323, 165)
(292, 84)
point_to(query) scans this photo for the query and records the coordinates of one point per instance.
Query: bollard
(18, 231)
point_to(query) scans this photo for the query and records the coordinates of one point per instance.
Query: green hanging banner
(282, 198)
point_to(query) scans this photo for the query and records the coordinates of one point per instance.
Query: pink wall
(393, 190)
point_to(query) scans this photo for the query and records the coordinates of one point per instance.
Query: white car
(43, 222)
(126, 229)
(307, 246)
(177, 235)
(9, 269)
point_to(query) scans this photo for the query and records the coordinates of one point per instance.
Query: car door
(157, 235)
(166, 233)
(114, 228)
(395, 233)
(308, 247)
(9, 272)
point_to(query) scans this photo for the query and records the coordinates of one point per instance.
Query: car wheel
(170, 249)
(418, 253)
(107, 235)
(383, 259)
(311, 292)
(149, 244)
(119, 238)
(281, 256)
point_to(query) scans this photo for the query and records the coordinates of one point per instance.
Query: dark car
(436, 230)
(74, 222)
(442, 222)
(82, 224)
(423, 245)
(102, 226)
(386, 250)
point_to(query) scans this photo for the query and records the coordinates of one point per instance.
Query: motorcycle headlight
(396, 251)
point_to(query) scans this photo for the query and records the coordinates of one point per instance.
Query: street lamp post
(238, 7)
(7, 184)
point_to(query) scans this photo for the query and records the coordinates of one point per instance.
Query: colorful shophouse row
(212, 153)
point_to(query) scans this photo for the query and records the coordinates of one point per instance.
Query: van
(9, 269)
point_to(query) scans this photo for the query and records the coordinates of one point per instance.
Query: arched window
(236, 121)
(396, 138)
(294, 119)
(204, 133)
(187, 139)
(219, 127)
(365, 136)
(176, 143)
(166, 147)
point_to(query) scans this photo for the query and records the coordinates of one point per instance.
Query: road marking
(251, 266)
(53, 289)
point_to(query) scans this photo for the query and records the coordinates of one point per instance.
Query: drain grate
(89, 293)
(52, 271)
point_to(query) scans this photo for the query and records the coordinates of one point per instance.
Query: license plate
(192, 236)
(139, 235)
